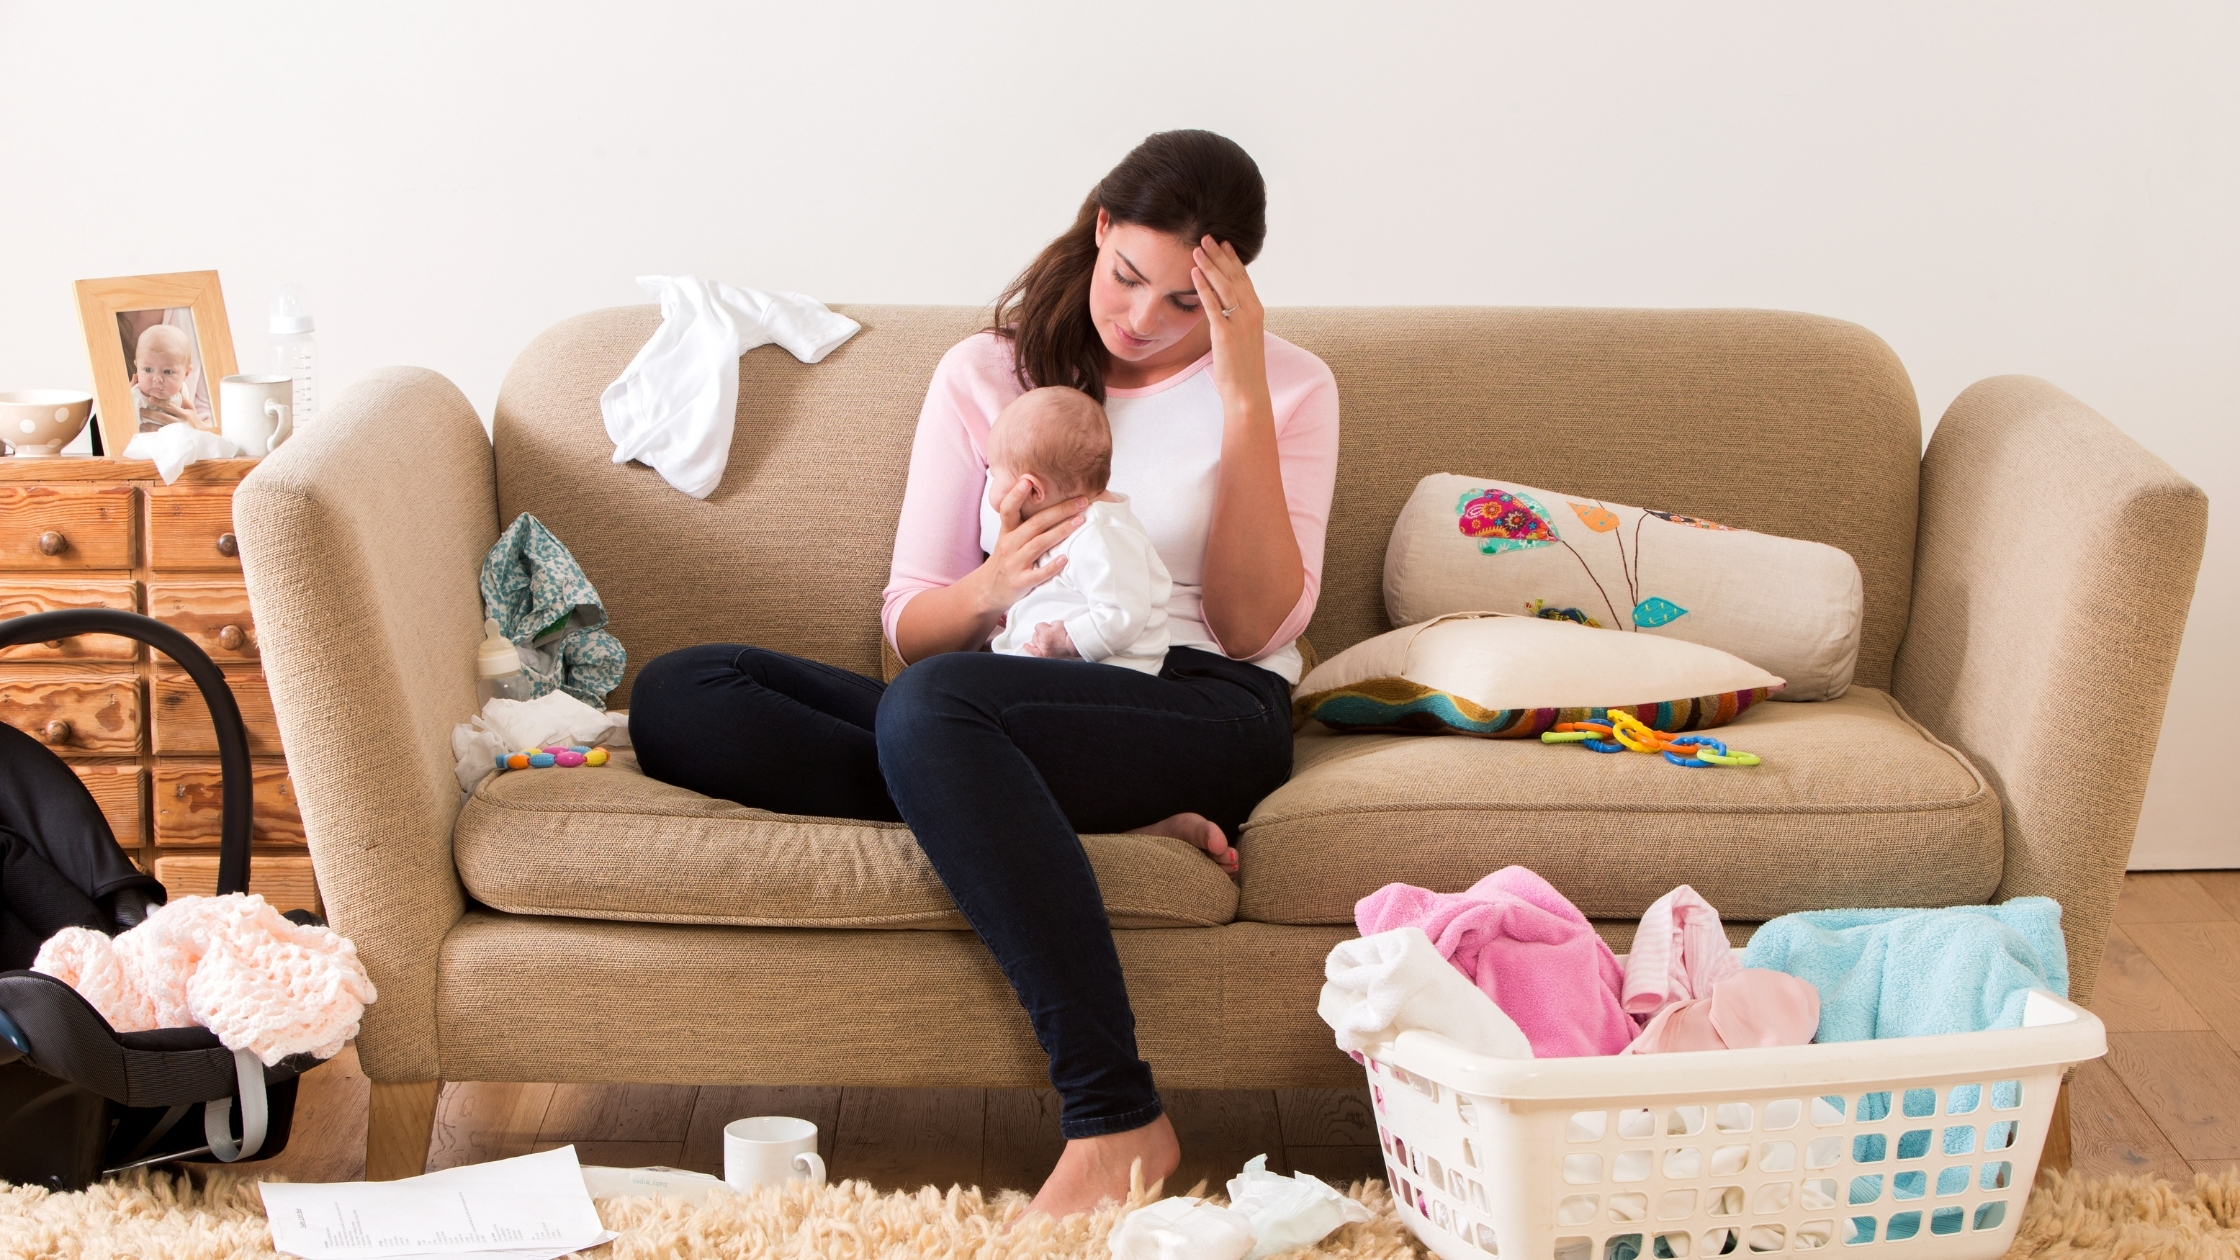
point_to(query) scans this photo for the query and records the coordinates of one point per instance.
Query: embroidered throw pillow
(1788, 606)
(1500, 676)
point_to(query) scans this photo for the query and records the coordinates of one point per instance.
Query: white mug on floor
(770, 1151)
(254, 412)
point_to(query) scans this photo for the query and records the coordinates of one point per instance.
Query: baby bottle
(293, 351)
(497, 667)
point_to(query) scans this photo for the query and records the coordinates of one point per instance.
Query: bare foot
(1093, 1170)
(1195, 829)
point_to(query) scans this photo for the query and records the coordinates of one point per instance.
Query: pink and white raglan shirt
(1166, 457)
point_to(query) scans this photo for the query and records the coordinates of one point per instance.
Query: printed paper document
(533, 1206)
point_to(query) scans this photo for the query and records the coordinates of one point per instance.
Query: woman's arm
(942, 594)
(1254, 574)
(964, 615)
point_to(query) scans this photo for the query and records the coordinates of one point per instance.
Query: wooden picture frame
(108, 309)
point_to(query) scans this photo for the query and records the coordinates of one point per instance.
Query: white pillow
(1786, 605)
(1511, 677)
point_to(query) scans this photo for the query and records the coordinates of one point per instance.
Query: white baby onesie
(1112, 595)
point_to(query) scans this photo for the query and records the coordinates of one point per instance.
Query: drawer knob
(230, 638)
(227, 546)
(52, 543)
(57, 732)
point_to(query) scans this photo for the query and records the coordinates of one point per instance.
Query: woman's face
(1142, 299)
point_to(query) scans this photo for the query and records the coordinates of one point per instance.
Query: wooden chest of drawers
(79, 532)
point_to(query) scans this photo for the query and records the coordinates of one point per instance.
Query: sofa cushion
(1789, 606)
(611, 843)
(1499, 676)
(1855, 805)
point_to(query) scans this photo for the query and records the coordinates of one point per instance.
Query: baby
(1109, 603)
(163, 359)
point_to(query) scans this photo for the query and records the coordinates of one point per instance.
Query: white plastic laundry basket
(1921, 1147)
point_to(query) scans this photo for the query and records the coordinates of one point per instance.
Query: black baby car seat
(78, 1099)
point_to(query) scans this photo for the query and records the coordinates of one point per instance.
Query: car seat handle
(233, 738)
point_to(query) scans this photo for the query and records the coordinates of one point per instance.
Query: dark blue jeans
(996, 762)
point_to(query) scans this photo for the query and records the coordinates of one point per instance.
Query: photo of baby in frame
(157, 347)
(160, 355)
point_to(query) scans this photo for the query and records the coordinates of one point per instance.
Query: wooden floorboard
(327, 1137)
(2202, 961)
(620, 1154)
(478, 1121)
(901, 1139)
(2134, 995)
(1020, 1141)
(618, 1113)
(2167, 897)
(2189, 1083)
(2224, 886)
(2111, 1134)
(1340, 1166)
(1327, 1117)
(2165, 1101)
(1221, 1129)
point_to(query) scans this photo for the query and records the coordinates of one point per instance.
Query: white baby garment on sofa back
(674, 407)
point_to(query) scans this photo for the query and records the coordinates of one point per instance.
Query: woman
(1225, 439)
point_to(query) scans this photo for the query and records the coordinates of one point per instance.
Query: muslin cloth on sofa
(542, 601)
(673, 408)
(1527, 948)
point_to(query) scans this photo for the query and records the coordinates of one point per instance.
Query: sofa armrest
(362, 541)
(2055, 566)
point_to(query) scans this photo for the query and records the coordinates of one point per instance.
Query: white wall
(2047, 188)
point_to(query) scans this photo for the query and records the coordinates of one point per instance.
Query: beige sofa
(2026, 584)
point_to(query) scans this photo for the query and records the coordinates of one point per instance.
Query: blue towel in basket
(1916, 973)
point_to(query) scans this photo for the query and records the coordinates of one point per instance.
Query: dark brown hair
(1189, 184)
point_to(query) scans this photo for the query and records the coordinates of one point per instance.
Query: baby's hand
(170, 409)
(1051, 640)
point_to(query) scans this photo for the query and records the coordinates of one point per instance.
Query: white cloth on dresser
(1112, 594)
(673, 408)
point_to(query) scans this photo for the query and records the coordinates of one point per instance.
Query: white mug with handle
(256, 412)
(770, 1151)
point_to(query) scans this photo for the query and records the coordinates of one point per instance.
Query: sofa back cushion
(1783, 423)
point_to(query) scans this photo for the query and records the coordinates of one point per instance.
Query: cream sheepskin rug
(167, 1217)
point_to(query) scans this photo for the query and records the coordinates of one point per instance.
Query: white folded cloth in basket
(1397, 980)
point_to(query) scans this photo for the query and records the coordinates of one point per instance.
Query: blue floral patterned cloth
(545, 604)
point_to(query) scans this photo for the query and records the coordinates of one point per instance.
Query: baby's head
(1055, 437)
(162, 360)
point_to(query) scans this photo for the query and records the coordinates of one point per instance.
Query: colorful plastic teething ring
(1690, 762)
(1565, 737)
(1603, 746)
(596, 757)
(1599, 728)
(1731, 759)
(542, 761)
(1698, 742)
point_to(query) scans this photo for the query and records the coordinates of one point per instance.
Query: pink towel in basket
(1527, 948)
